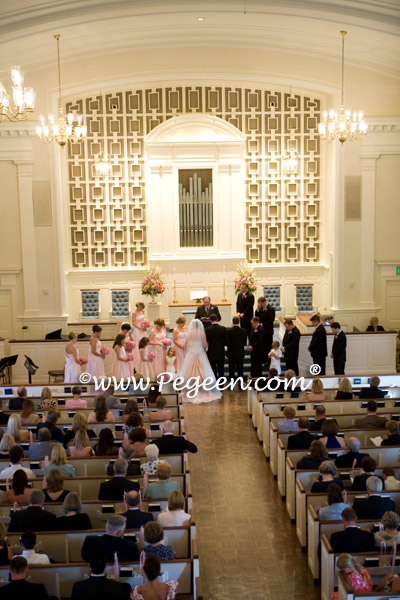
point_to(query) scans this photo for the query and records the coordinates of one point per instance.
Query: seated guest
(80, 447)
(151, 465)
(163, 486)
(54, 491)
(303, 439)
(34, 517)
(289, 384)
(368, 466)
(390, 534)
(46, 401)
(98, 586)
(16, 456)
(19, 491)
(162, 413)
(119, 484)
(44, 446)
(28, 416)
(390, 479)
(333, 512)
(105, 446)
(374, 326)
(6, 551)
(79, 422)
(288, 424)
(373, 391)
(345, 391)
(345, 461)
(101, 414)
(76, 401)
(371, 420)
(153, 589)
(153, 394)
(320, 418)
(18, 587)
(153, 536)
(318, 453)
(14, 428)
(51, 422)
(169, 443)
(134, 420)
(111, 542)
(351, 539)
(58, 460)
(7, 442)
(135, 517)
(73, 519)
(112, 402)
(374, 506)
(329, 431)
(393, 439)
(28, 543)
(126, 452)
(131, 406)
(357, 578)
(317, 393)
(174, 516)
(138, 441)
(327, 471)
(16, 403)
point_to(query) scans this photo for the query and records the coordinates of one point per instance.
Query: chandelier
(65, 129)
(102, 164)
(23, 98)
(344, 125)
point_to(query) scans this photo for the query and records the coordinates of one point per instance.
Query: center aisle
(247, 546)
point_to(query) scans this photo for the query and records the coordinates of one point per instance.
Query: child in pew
(275, 355)
(358, 578)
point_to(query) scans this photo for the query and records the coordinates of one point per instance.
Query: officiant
(203, 312)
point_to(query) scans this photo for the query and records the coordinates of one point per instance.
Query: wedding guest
(368, 467)
(203, 312)
(303, 439)
(95, 364)
(98, 586)
(390, 479)
(170, 361)
(174, 516)
(138, 441)
(111, 542)
(162, 413)
(317, 454)
(163, 486)
(130, 407)
(179, 337)
(351, 538)
(105, 446)
(134, 516)
(73, 364)
(15, 430)
(237, 340)
(76, 401)
(288, 424)
(266, 313)
(373, 390)
(290, 346)
(320, 418)
(156, 337)
(390, 534)
(256, 347)
(28, 416)
(393, 429)
(19, 491)
(121, 369)
(4, 416)
(134, 420)
(345, 391)
(139, 330)
(34, 517)
(338, 348)
(333, 512)
(100, 413)
(375, 505)
(154, 536)
(145, 362)
(374, 325)
(73, 518)
(244, 307)
(16, 403)
(115, 488)
(327, 471)
(46, 401)
(153, 589)
(125, 452)
(51, 425)
(19, 587)
(329, 431)
(81, 447)
(152, 452)
(317, 393)
(78, 422)
(345, 461)
(44, 446)
(6, 443)
(318, 348)
(358, 578)
(58, 460)
(54, 491)
(372, 419)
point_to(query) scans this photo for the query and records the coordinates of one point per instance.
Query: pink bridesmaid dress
(72, 369)
(135, 352)
(138, 334)
(144, 367)
(159, 351)
(120, 367)
(179, 353)
(95, 364)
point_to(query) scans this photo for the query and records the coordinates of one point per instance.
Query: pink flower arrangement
(245, 275)
(84, 360)
(166, 341)
(151, 355)
(145, 324)
(152, 285)
(104, 350)
(130, 345)
(130, 357)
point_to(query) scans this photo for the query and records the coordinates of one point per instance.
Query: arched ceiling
(93, 28)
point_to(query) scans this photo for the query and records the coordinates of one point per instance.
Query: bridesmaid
(138, 331)
(73, 365)
(179, 336)
(126, 330)
(121, 363)
(157, 334)
(145, 364)
(95, 363)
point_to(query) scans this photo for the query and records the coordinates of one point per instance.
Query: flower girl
(170, 361)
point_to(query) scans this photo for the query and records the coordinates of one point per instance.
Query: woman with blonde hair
(54, 490)
(374, 325)
(174, 516)
(6, 443)
(358, 578)
(46, 401)
(58, 460)
(179, 337)
(80, 447)
(100, 414)
(317, 393)
(28, 416)
(79, 421)
(14, 428)
(345, 391)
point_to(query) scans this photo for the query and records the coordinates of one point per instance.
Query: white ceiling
(96, 27)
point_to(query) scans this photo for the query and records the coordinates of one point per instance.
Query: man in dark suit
(374, 506)
(19, 587)
(237, 340)
(373, 391)
(33, 518)
(266, 313)
(111, 542)
(338, 348)
(98, 586)
(320, 418)
(303, 439)
(135, 517)
(217, 340)
(204, 312)
(244, 307)
(352, 539)
(318, 348)
(16, 403)
(119, 484)
(371, 420)
(256, 347)
(169, 443)
(51, 422)
(290, 346)
(368, 468)
(345, 461)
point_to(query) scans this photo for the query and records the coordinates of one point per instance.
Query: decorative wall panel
(108, 224)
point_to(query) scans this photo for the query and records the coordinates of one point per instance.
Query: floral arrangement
(152, 284)
(83, 360)
(145, 325)
(245, 275)
(104, 350)
(151, 355)
(130, 345)
(166, 341)
(130, 357)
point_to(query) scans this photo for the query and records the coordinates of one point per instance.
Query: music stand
(30, 366)
(6, 363)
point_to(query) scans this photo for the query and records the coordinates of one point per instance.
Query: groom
(217, 339)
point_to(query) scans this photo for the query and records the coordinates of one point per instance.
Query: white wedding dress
(196, 364)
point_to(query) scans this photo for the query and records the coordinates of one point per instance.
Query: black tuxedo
(203, 313)
(135, 518)
(339, 352)
(100, 588)
(16, 590)
(372, 507)
(256, 341)
(267, 318)
(300, 441)
(291, 343)
(244, 304)
(237, 340)
(174, 444)
(32, 518)
(217, 340)
(352, 539)
(318, 347)
(115, 488)
(109, 544)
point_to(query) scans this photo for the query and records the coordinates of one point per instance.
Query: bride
(196, 364)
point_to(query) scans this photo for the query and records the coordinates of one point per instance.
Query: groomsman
(290, 346)
(217, 340)
(237, 340)
(203, 312)
(318, 347)
(266, 313)
(338, 348)
(244, 307)
(256, 347)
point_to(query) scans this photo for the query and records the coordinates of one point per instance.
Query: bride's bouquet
(245, 275)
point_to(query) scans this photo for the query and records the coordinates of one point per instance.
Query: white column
(368, 173)
(28, 240)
